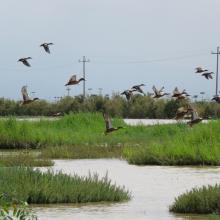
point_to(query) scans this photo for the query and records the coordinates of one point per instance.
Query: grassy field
(203, 200)
(36, 187)
(82, 136)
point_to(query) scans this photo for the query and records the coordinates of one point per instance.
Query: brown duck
(181, 112)
(26, 98)
(138, 88)
(46, 46)
(108, 124)
(217, 99)
(200, 70)
(179, 95)
(25, 61)
(195, 119)
(128, 93)
(158, 93)
(74, 81)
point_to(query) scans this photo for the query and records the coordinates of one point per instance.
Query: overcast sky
(128, 42)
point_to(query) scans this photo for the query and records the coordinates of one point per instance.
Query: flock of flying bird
(181, 113)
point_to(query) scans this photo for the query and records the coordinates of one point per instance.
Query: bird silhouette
(26, 98)
(158, 93)
(46, 46)
(200, 70)
(179, 95)
(74, 81)
(138, 88)
(25, 61)
(208, 75)
(128, 93)
(108, 124)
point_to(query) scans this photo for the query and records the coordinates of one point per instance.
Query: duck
(128, 93)
(208, 75)
(74, 81)
(158, 93)
(181, 112)
(200, 70)
(179, 95)
(25, 61)
(108, 124)
(46, 46)
(26, 98)
(216, 98)
(138, 88)
(195, 119)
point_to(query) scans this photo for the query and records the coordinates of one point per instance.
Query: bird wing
(181, 109)
(176, 91)
(25, 93)
(194, 115)
(25, 62)
(155, 90)
(46, 48)
(161, 90)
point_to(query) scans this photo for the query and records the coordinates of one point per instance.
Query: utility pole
(84, 61)
(217, 54)
(68, 91)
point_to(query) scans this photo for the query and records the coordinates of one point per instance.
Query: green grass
(203, 200)
(24, 159)
(81, 135)
(35, 187)
(178, 145)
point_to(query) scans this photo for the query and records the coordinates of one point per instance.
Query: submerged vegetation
(203, 200)
(81, 135)
(36, 187)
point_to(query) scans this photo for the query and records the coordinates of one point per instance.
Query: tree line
(138, 107)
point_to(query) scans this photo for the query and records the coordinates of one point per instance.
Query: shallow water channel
(153, 189)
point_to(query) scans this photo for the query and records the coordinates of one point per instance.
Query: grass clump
(203, 200)
(36, 187)
(178, 145)
(24, 159)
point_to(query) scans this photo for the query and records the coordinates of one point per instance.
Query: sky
(128, 42)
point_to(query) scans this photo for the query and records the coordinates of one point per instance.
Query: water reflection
(153, 190)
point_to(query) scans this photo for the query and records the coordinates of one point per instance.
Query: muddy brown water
(153, 189)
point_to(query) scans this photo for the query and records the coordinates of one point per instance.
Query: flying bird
(128, 93)
(74, 81)
(179, 95)
(46, 46)
(26, 98)
(138, 88)
(195, 119)
(200, 70)
(158, 93)
(25, 61)
(181, 112)
(217, 99)
(108, 124)
(208, 75)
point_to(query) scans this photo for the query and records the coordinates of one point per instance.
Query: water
(153, 189)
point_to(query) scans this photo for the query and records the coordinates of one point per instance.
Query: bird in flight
(158, 93)
(216, 98)
(108, 124)
(138, 88)
(128, 93)
(208, 75)
(200, 70)
(46, 46)
(25, 61)
(181, 112)
(74, 81)
(26, 98)
(179, 95)
(195, 119)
